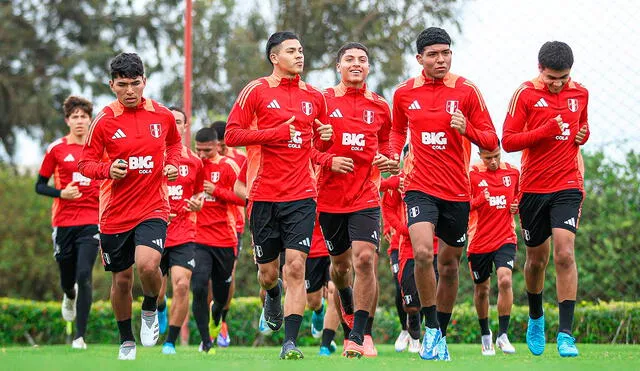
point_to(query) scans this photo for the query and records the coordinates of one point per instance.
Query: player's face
(288, 58)
(181, 123)
(128, 91)
(354, 67)
(78, 122)
(491, 159)
(222, 148)
(207, 150)
(435, 60)
(553, 79)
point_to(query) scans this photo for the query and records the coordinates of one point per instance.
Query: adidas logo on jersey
(541, 103)
(119, 134)
(571, 222)
(483, 183)
(273, 104)
(306, 242)
(69, 158)
(414, 105)
(158, 242)
(336, 113)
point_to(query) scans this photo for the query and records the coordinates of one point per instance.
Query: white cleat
(414, 345)
(149, 328)
(127, 351)
(69, 306)
(503, 343)
(402, 342)
(79, 343)
(487, 345)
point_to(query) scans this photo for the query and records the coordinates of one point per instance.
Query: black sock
(414, 325)
(484, 326)
(319, 310)
(346, 330)
(174, 331)
(150, 303)
(126, 333)
(162, 306)
(274, 291)
(535, 305)
(224, 315)
(430, 317)
(346, 299)
(292, 326)
(402, 315)
(327, 337)
(443, 320)
(216, 313)
(368, 326)
(504, 324)
(566, 307)
(359, 322)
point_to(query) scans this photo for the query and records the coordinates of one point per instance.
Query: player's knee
(147, 268)
(481, 292)
(295, 269)
(83, 277)
(364, 262)
(314, 301)
(267, 277)
(423, 256)
(564, 258)
(181, 287)
(410, 309)
(448, 270)
(504, 283)
(341, 268)
(122, 284)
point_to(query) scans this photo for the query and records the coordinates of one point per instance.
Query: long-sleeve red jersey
(491, 224)
(182, 228)
(147, 138)
(361, 122)
(551, 160)
(239, 157)
(61, 161)
(278, 167)
(441, 153)
(216, 224)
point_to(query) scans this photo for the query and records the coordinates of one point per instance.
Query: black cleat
(290, 351)
(273, 315)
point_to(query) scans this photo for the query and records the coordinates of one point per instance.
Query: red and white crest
(307, 108)
(156, 130)
(506, 180)
(572, 103)
(368, 116)
(183, 170)
(451, 107)
(215, 176)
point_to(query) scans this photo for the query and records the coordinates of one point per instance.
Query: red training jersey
(318, 246)
(441, 153)
(279, 167)
(491, 224)
(361, 122)
(61, 161)
(240, 158)
(147, 138)
(182, 228)
(551, 160)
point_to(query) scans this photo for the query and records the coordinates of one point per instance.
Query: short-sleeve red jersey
(147, 138)
(491, 224)
(318, 246)
(278, 167)
(182, 228)
(551, 160)
(61, 162)
(441, 153)
(361, 122)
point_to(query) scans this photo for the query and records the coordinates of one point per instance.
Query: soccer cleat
(149, 329)
(487, 345)
(223, 339)
(273, 315)
(369, 348)
(414, 345)
(127, 351)
(69, 306)
(429, 348)
(333, 347)
(262, 325)
(206, 348)
(567, 345)
(402, 341)
(163, 319)
(347, 318)
(290, 351)
(324, 351)
(353, 349)
(168, 348)
(79, 343)
(443, 350)
(535, 335)
(503, 343)
(317, 323)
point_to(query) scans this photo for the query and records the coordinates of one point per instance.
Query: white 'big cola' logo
(500, 202)
(175, 192)
(296, 141)
(565, 132)
(142, 163)
(356, 141)
(437, 140)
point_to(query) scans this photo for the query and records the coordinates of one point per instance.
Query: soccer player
(216, 237)
(547, 121)
(279, 118)
(134, 144)
(178, 257)
(74, 215)
(492, 242)
(444, 113)
(349, 201)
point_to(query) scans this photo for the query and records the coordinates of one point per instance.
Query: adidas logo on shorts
(571, 222)
(192, 263)
(306, 242)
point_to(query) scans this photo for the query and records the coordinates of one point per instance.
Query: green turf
(465, 357)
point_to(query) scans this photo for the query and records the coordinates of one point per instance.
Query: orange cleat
(369, 348)
(353, 350)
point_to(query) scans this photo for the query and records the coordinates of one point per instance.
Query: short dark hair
(74, 103)
(127, 65)
(174, 108)
(351, 45)
(219, 127)
(432, 36)
(555, 55)
(489, 150)
(206, 135)
(277, 39)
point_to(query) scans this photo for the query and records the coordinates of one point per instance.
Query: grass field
(465, 357)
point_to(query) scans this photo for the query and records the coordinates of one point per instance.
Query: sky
(497, 50)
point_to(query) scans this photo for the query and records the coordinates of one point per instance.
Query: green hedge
(42, 321)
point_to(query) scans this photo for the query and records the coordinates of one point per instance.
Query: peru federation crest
(572, 104)
(307, 108)
(452, 106)
(368, 116)
(506, 180)
(183, 170)
(156, 130)
(215, 176)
